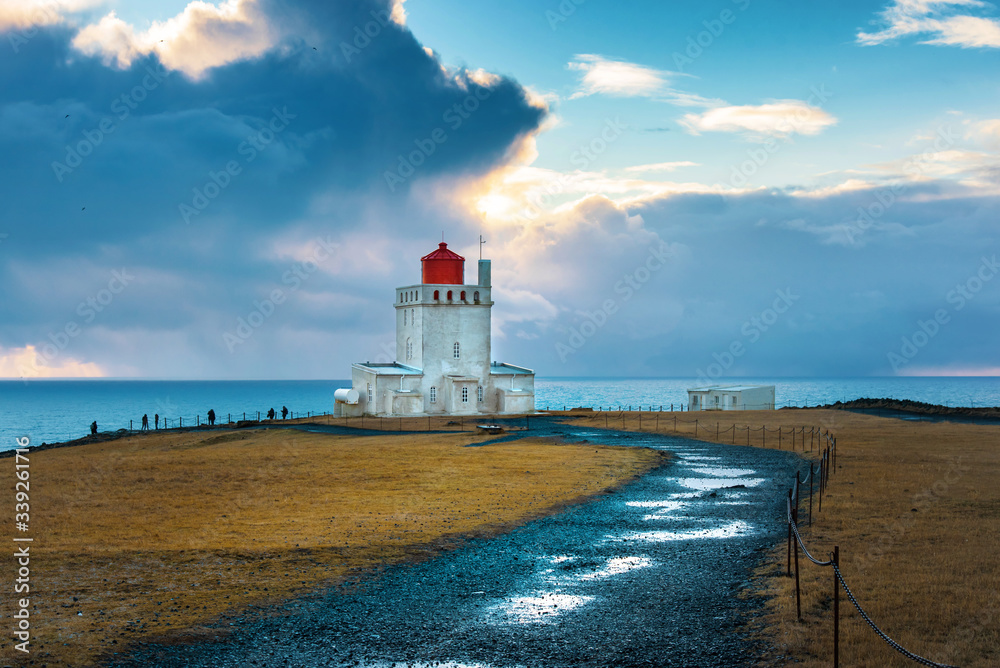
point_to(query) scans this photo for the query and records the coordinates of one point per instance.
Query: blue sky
(712, 190)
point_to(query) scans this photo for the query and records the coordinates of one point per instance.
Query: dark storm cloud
(188, 182)
(851, 288)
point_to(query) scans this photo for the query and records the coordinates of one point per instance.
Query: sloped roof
(442, 253)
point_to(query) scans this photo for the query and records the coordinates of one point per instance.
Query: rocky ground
(650, 575)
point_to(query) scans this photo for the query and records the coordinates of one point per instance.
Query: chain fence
(824, 468)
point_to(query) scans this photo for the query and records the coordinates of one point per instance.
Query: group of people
(271, 414)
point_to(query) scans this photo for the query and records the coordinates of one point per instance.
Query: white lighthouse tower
(442, 352)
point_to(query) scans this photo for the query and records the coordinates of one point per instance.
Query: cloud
(28, 362)
(661, 166)
(938, 21)
(277, 153)
(617, 78)
(21, 14)
(201, 37)
(776, 119)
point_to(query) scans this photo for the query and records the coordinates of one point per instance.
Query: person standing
(145, 422)
(93, 428)
(156, 421)
(211, 417)
(284, 412)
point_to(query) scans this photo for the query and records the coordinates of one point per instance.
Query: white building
(442, 352)
(731, 398)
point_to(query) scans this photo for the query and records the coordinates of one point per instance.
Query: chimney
(484, 273)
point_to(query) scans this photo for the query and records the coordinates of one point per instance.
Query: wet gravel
(648, 575)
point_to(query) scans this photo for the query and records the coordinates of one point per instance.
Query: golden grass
(155, 535)
(930, 577)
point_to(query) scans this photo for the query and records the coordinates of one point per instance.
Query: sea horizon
(48, 410)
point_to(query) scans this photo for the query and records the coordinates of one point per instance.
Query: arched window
(400, 297)
(465, 395)
(475, 296)
(434, 395)
(449, 295)
(463, 295)
(437, 295)
(479, 394)
(457, 350)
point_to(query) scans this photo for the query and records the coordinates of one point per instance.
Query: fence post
(798, 592)
(130, 425)
(836, 608)
(810, 493)
(789, 509)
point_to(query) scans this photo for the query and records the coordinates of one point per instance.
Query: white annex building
(731, 398)
(442, 352)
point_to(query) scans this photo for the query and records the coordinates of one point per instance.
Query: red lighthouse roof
(443, 266)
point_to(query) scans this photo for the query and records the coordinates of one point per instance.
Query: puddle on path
(730, 530)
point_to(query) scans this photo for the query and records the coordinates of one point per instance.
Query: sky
(737, 188)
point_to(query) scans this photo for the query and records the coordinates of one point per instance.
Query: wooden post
(836, 609)
(789, 509)
(795, 548)
(810, 493)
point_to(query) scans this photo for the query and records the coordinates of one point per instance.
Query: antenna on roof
(481, 242)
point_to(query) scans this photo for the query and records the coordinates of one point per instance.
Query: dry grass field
(915, 510)
(154, 536)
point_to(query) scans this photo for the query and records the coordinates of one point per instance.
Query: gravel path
(648, 575)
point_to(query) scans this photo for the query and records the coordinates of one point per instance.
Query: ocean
(60, 410)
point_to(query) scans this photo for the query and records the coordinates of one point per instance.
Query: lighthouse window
(449, 295)
(434, 395)
(463, 295)
(457, 349)
(479, 394)
(465, 395)
(475, 296)
(437, 295)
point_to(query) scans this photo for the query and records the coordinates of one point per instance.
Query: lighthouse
(443, 353)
